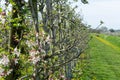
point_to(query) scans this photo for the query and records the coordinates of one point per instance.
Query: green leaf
(12, 2)
(0, 9)
(7, 27)
(84, 1)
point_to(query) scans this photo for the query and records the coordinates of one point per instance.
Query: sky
(106, 10)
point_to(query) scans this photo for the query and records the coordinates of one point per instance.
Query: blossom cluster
(16, 52)
(34, 56)
(3, 72)
(4, 61)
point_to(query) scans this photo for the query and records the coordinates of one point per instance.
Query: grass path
(104, 62)
(108, 43)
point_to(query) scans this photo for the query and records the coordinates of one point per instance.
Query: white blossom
(33, 53)
(9, 71)
(37, 34)
(42, 50)
(16, 52)
(4, 60)
(62, 76)
(2, 19)
(34, 57)
(26, 0)
(30, 43)
(48, 40)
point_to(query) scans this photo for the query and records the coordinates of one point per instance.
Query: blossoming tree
(42, 38)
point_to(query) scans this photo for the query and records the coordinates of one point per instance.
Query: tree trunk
(14, 38)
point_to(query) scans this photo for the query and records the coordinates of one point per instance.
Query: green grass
(104, 62)
(112, 39)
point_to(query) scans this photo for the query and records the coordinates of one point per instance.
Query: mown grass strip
(104, 62)
(107, 43)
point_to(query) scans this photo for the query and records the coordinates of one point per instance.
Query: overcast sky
(106, 10)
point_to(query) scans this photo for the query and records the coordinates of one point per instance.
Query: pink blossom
(51, 79)
(16, 60)
(2, 72)
(62, 76)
